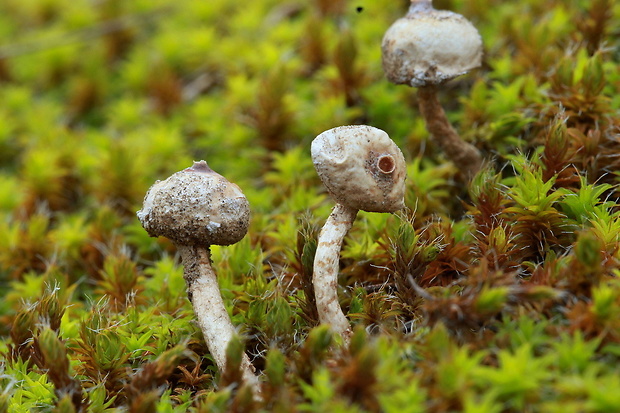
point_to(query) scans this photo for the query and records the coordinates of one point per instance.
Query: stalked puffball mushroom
(425, 49)
(196, 208)
(362, 169)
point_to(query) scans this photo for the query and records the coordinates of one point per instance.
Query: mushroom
(362, 169)
(425, 49)
(196, 208)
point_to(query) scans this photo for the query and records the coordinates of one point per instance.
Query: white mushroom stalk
(362, 169)
(196, 208)
(326, 264)
(427, 48)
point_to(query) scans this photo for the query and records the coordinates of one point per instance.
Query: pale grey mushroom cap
(196, 206)
(361, 167)
(428, 47)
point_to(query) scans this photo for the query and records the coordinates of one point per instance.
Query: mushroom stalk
(196, 208)
(425, 49)
(325, 277)
(362, 169)
(465, 156)
(420, 5)
(204, 294)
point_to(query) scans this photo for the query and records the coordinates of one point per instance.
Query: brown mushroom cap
(361, 167)
(430, 46)
(196, 206)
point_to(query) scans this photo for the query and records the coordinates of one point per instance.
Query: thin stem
(465, 156)
(213, 319)
(420, 6)
(326, 266)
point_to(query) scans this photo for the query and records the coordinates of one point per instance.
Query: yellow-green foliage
(500, 295)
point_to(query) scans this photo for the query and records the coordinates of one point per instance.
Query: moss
(499, 295)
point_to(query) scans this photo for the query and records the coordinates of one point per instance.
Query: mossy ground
(501, 295)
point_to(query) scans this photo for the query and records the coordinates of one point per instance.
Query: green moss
(499, 295)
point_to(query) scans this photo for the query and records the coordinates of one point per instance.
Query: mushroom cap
(361, 167)
(196, 206)
(430, 46)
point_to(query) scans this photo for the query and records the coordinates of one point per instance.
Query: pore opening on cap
(386, 164)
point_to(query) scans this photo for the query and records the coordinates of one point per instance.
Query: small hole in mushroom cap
(386, 164)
